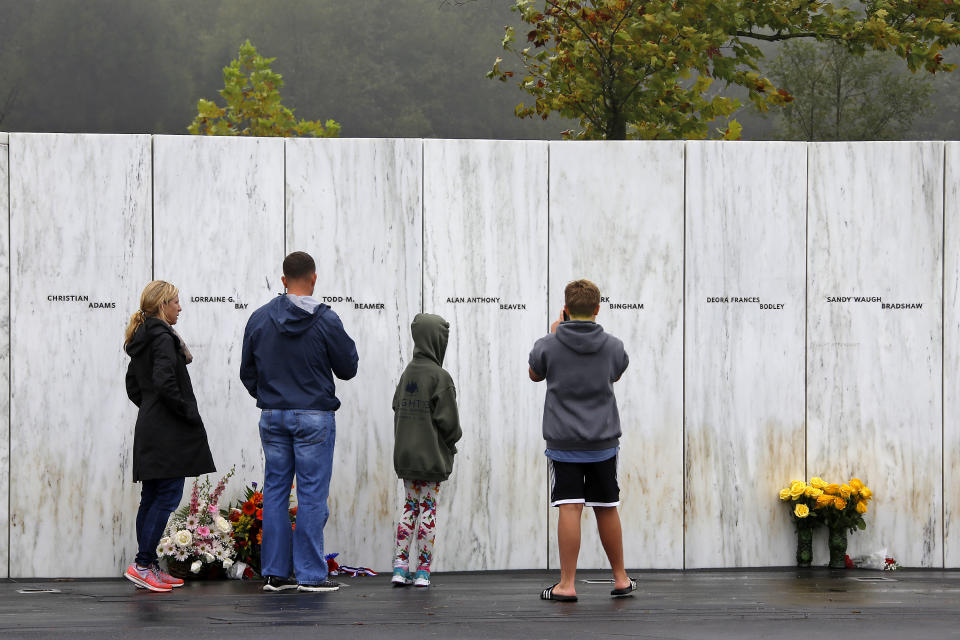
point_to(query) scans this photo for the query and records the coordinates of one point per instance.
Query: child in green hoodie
(426, 429)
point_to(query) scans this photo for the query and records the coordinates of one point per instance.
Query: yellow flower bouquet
(840, 507)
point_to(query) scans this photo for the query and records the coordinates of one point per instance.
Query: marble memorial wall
(790, 310)
(80, 239)
(4, 349)
(355, 206)
(484, 271)
(951, 358)
(745, 234)
(874, 336)
(219, 237)
(624, 231)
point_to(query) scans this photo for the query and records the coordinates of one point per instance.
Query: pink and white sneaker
(166, 577)
(145, 578)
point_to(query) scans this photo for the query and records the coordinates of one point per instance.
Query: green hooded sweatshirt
(426, 425)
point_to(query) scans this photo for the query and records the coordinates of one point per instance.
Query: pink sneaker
(145, 578)
(166, 577)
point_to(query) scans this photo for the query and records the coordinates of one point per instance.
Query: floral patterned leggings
(420, 503)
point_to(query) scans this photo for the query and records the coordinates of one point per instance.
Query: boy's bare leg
(611, 536)
(568, 539)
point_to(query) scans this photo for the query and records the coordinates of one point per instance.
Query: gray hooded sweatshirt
(580, 363)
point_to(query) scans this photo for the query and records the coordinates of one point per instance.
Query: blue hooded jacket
(291, 355)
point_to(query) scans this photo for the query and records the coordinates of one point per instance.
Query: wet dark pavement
(768, 603)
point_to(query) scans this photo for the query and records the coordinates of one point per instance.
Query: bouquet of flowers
(836, 505)
(197, 536)
(840, 507)
(246, 519)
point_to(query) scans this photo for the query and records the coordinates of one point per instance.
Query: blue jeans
(296, 442)
(158, 499)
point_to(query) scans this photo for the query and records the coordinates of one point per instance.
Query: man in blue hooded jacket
(293, 346)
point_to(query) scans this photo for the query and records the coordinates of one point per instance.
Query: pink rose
(213, 508)
(203, 530)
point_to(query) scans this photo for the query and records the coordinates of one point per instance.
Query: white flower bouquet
(197, 541)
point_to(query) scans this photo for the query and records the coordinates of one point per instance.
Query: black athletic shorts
(593, 484)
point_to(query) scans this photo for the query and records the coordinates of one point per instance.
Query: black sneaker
(273, 583)
(326, 585)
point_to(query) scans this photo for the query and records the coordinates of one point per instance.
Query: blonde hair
(154, 296)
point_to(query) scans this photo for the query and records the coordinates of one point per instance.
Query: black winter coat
(169, 440)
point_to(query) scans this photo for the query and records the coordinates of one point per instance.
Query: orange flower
(259, 537)
(293, 526)
(259, 514)
(257, 497)
(293, 511)
(824, 500)
(249, 508)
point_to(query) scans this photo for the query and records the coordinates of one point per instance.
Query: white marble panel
(744, 356)
(951, 355)
(485, 245)
(874, 385)
(4, 350)
(80, 235)
(616, 218)
(219, 234)
(355, 205)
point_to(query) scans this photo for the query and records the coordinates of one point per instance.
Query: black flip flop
(548, 594)
(626, 592)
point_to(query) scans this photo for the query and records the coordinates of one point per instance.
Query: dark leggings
(158, 499)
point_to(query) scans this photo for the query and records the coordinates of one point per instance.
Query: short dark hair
(298, 265)
(581, 297)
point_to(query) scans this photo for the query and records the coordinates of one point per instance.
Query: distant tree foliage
(252, 93)
(643, 68)
(842, 96)
(381, 68)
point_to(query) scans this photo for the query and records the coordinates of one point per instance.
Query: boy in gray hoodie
(581, 425)
(426, 429)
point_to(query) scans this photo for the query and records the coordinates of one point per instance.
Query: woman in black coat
(169, 443)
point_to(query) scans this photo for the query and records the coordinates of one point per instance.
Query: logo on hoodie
(412, 387)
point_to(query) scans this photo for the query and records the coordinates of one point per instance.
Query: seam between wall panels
(9, 359)
(943, 355)
(423, 224)
(153, 199)
(806, 301)
(683, 372)
(547, 313)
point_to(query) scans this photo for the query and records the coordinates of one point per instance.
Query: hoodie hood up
(581, 336)
(430, 333)
(293, 320)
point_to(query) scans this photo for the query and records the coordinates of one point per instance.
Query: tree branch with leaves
(644, 69)
(251, 90)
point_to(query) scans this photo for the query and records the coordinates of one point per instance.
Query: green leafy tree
(842, 96)
(252, 93)
(644, 68)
